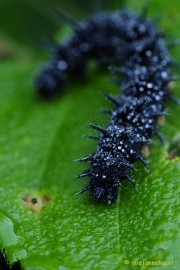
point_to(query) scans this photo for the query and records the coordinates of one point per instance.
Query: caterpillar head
(50, 81)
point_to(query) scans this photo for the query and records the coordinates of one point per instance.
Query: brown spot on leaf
(171, 156)
(145, 151)
(171, 85)
(26, 198)
(35, 201)
(47, 198)
(160, 120)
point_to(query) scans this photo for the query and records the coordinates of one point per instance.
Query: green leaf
(42, 223)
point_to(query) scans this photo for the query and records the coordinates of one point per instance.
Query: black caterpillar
(114, 38)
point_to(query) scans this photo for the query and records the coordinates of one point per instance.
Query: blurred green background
(24, 21)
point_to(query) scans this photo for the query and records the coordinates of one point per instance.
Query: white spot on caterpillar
(62, 65)
(164, 75)
(149, 85)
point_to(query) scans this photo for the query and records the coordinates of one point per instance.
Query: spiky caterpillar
(116, 38)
